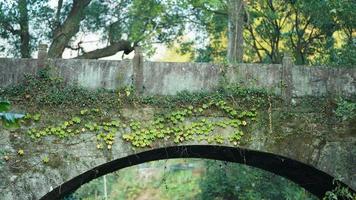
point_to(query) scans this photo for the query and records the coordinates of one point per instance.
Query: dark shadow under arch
(308, 177)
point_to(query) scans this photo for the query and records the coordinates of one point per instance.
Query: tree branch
(122, 45)
(249, 28)
(7, 26)
(217, 12)
(63, 33)
(58, 13)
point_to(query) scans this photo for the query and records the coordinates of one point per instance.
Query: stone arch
(308, 177)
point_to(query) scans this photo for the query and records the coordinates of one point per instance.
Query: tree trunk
(25, 48)
(110, 50)
(235, 30)
(299, 56)
(57, 21)
(70, 27)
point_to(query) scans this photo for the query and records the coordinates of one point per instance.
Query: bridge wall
(323, 144)
(170, 78)
(307, 134)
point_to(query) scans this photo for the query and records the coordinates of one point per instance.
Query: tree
(236, 181)
(218, 18)
(236, 13)
(267, 19)
(311, 31)
(258, 30)
(120, 25)
(208, 19)
(344, 16)
(289, 26)
(272, 28)
(65, 31)
(16, 15)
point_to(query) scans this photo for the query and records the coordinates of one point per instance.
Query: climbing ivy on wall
(346, 110)
(187, 124)
(200, 128)
(86, 121)
(184, 117)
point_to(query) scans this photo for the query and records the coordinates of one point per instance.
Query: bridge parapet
(165, 78)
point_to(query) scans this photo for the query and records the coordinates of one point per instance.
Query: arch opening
(306, 176)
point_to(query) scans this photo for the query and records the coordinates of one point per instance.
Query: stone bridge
(280, 118)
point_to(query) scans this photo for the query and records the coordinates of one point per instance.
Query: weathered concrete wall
(87, 73)
(321, 81)
(12, 71)
(252, 75)
(170, 78)
(94, 73)
(305, 81)
(329, 147)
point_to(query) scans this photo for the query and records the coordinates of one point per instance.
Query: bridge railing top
(167, 78)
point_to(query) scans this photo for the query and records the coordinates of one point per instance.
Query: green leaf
(76, 120)
(36, 117)
(4, 106)
(83, 112)
(11, 117)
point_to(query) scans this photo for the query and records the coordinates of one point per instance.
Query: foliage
(3, 157)
(173, 54)
(339, 193)
(343, 56)
(20, 152)
(272, 28)
(249, 96)
(178, 124)
(175, 125)
(7, 117)
(119, 25)
(70, 197)
(344, 15)
(170, 125)
(277, 27)
(105, 130)
(4, 106)
(192, 179)
(235, 181)
(166, 182)
(346, 110)
(43, 89)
